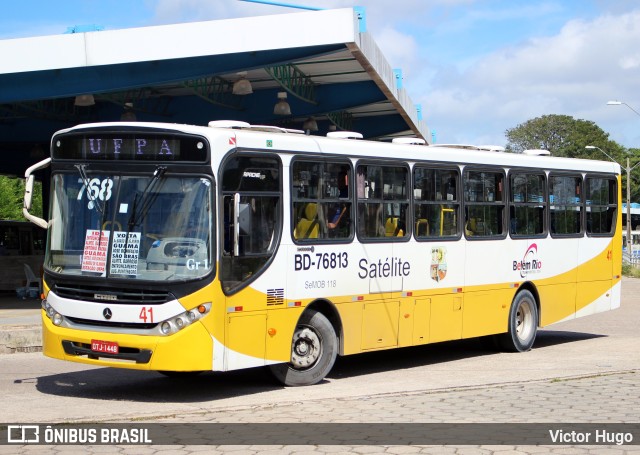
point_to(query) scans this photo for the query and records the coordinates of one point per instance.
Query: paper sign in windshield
(94, 256)
(125, 253)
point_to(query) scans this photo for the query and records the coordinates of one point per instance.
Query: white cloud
(400, 50)
(630, 61)
(573, 73)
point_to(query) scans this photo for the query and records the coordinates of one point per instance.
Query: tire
(523, 324)
(313, 352)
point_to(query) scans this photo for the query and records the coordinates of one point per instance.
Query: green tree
(549, 132)
(634, 157)
(12, 195)
(561, 135)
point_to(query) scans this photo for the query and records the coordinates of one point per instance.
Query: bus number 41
(146, 312)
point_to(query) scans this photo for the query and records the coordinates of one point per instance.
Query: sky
(477, 67)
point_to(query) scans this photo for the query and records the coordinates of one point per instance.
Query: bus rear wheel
(313, 352)
(523, 324)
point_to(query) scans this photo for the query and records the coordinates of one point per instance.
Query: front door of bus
(250, 223)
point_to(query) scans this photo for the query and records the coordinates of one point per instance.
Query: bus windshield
(139, 227)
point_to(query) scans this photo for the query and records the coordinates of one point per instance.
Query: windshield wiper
(142, 205)
(85, 181)
(100, 208)
(145, 202)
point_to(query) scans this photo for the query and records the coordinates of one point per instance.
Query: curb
(20, 338)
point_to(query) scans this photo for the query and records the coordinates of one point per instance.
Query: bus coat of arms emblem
(438, 263)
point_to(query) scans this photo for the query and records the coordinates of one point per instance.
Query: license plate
(108, 347)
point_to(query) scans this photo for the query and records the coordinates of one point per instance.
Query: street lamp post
(620, 103)
(628, 169)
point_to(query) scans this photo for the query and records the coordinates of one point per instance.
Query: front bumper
(190, 349)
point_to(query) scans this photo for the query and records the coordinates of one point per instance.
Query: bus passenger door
(250, 223)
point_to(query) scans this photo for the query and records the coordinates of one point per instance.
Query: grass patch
(630, 271)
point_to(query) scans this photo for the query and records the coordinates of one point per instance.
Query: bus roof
(286, 140)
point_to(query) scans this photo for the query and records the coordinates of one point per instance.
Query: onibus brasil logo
(529, 263)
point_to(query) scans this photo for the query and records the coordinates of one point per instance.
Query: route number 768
(96, 189)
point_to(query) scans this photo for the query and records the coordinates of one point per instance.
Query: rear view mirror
(28, 193)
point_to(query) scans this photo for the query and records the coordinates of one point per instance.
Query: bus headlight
(165, 327)
(52, 314)
(183, 320)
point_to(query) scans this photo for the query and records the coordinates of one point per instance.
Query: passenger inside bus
(338, 214)
(338, 211)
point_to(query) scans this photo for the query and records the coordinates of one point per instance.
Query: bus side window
(565, 205)
(436, 203)
(601, 202)
(321, 200)
(384, 204)
(528, 204)
(484, 203)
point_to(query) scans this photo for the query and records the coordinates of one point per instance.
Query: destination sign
(130, 147)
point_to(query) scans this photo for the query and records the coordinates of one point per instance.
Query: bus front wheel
(523, 323)
(313, 352)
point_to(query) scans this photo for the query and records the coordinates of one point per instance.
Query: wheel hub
(306, 348)
(523, 322)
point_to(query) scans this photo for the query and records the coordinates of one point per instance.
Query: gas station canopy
(315, 71)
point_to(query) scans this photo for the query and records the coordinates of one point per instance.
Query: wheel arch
(531, 287)
(329, 310)
(314, 347)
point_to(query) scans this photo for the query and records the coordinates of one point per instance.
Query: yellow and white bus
(182, 248)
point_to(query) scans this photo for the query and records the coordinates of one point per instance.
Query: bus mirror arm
(28, 193)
